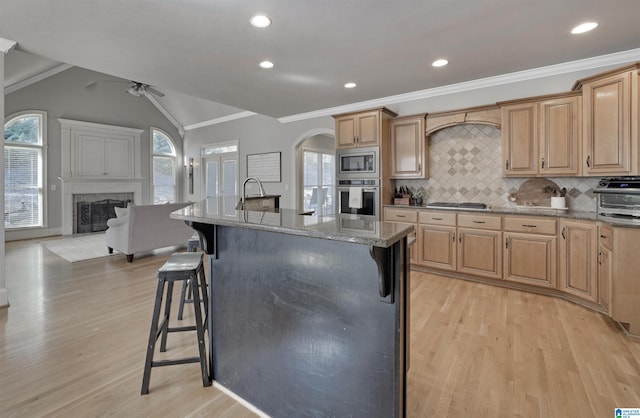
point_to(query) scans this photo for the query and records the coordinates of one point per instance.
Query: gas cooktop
(458, 206)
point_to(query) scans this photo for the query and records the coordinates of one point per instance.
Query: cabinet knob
(543, 163)
(507, 164)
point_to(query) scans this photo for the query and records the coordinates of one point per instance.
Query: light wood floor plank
(73, 344)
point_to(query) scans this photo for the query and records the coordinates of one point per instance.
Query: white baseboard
(240, 400)
(18, 234)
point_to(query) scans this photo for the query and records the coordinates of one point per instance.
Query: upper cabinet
(408, 150)
(541, 136)
(97, 151)
(361, 129)
(610, 122)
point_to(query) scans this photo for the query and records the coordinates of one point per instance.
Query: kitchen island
(308, 315)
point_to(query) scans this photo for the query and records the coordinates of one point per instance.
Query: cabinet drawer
(605, 234)
(480, 221)
(437, 218)
(401, 215)
(531, 225)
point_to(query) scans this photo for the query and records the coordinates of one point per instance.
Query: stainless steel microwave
(360, 163)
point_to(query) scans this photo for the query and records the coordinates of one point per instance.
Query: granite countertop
(537, 211)
(356, 229)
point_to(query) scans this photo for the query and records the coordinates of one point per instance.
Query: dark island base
(298, 325)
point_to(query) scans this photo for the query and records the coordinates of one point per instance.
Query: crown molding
(166, 114)
(221, 119)
(34, 79)
(7, 45)
(623, 57)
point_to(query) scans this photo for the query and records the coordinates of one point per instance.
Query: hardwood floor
(73, 344)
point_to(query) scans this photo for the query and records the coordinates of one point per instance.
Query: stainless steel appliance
(370, 196)
(619, 197)
(358, 163)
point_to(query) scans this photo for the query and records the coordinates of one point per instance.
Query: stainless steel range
(619, 197)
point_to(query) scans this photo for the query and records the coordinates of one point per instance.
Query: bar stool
(184, 267)
(193, 244)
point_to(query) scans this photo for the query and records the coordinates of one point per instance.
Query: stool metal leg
(206, 380)
(185, 297)
(153, 337)
(167, 314)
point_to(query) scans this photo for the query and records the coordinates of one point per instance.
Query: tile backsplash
(465, 165)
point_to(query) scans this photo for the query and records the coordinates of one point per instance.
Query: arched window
(164, 163)
(24, 170)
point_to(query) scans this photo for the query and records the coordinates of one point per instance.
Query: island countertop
(356, 229)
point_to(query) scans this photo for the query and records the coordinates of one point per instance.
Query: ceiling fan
(140, 89)
(136, 88)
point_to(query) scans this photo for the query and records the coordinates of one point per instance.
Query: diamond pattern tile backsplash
(465, 166)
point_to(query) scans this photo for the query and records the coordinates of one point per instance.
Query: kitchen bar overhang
(308, 315)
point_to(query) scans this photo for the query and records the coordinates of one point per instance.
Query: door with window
(319, 186)
(220, 171)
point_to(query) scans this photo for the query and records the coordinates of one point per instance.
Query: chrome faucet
(244, 188)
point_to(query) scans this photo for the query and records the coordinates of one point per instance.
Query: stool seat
(181, 262)
(186, 267)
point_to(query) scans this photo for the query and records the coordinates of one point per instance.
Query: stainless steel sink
(259, 203)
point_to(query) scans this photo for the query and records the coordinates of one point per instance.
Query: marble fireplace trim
(69, 188)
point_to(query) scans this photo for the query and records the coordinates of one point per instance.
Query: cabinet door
(345, 131)
(407, 148)
(559, 139)
(437, 247)
(607, 125)
(118, 158)
(520, 139)
(604, 277)
(90, 161)
(578, 267)
(368, 129)
(530, 259)
(480, 252)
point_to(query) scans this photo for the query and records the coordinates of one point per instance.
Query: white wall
(64, 95)
(257, 134)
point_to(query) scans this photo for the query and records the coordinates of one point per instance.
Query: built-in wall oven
(358, 163)
(359, 197)
(619, 197)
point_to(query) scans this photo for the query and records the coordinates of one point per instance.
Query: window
(163, 168)
(319, 181)
(24, 170)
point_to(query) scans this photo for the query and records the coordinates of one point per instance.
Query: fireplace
(93, 216)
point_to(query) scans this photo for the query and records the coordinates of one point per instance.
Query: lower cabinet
(480, 252)
(437, 247)
(408, 216)
(530, 259)
(577, 265)
(605, 265)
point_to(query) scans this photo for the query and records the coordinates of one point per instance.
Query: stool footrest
(182, 329)
(159, 363)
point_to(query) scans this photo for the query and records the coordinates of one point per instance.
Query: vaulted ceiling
(204, 54)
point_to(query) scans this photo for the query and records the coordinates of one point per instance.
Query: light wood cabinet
(610, 122)
(474, 247)
(409, 216)
(605, 266)
(362, 129)
(408, 151)
(541, 136)
(530, 250)
(577, 259)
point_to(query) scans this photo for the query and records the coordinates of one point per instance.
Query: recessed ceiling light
(349, 85)
(266, 64)
(584, 27)
(440, 62)
(260, 21)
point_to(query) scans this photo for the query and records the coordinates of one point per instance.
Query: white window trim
(43, 127)
(178, 158)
